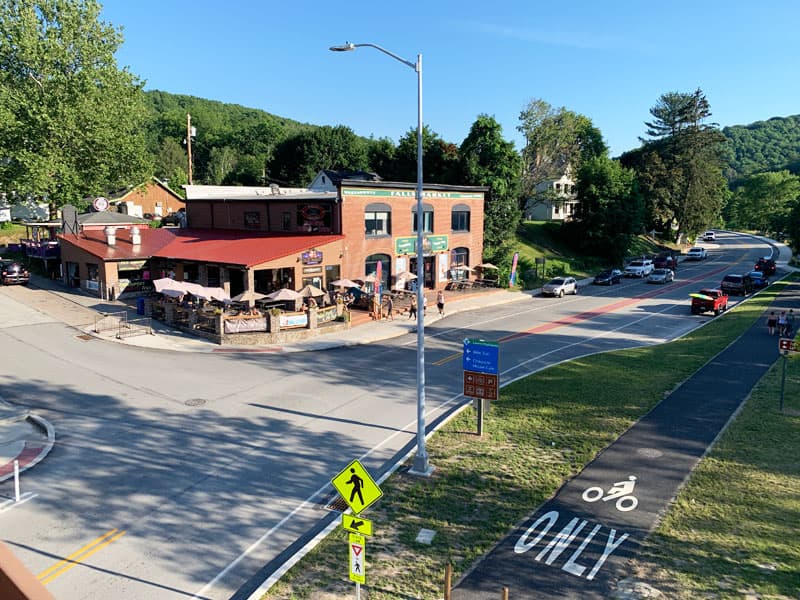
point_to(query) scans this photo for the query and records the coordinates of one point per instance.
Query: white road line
(9, 504)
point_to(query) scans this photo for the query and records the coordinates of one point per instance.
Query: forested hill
(771, 145)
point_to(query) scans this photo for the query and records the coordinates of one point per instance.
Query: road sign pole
(480, 417)
(358, 591)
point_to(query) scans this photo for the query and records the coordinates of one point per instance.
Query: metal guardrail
(134, 327)
(109, 321)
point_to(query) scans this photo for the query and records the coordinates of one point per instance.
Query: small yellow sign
(358, 563)
(356, 487)
(357, 524)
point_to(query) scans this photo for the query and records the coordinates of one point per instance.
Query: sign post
(786, 346)
(481, 368)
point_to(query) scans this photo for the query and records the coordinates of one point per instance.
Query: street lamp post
(421, 465)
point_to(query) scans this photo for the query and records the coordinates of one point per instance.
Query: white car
(696, 253)
(709, 236)
(639, 268)
(558, 286)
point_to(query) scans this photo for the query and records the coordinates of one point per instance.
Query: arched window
(459, 261)
(427, 218)
(371, 267)
(378, 219)
(460, 218)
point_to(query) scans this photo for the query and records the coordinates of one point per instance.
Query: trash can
(140, 306)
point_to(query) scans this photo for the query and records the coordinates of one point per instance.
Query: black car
(766, 266)
(609, 277)
(13, 272)
(739, 285)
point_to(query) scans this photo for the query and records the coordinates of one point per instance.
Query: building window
(459, 261)
(371, 267)
(314, 218)
(460, 218)
(378, 219)
(427, 219)
(252, 220)
(556, 210)
(286, 221)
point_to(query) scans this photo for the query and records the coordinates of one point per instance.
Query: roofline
(270, 198)
(407, 185)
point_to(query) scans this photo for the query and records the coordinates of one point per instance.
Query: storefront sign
(294, 320)
(131, 265)
(312, 257)
(408, 245)
(307, 270)
(411, 194)
(325, 315)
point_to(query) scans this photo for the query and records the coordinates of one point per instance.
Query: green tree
(221, 163)
(171, 163)
(439, 158)
(680, 168)
(610, 210)
(557, 141)
(72, 121)
(488, 159)
(299, 158)
(764, 201)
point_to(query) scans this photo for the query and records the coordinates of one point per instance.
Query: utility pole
(189, 144)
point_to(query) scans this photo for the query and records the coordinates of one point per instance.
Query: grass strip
(541, 432)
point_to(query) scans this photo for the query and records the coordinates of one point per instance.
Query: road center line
(78, 556)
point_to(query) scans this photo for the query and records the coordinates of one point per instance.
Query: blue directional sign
(481, 356)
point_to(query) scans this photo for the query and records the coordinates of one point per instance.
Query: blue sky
(609, 60)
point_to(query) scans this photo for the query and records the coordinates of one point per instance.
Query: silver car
(558, 286)
(661, 276)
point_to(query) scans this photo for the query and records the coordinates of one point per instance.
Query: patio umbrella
(248, 296)
(172, 293)
(405, 275)
(486, 266)
(310, 291)
(165, 283)
(345, 283)
(371, 278)
(284, 294)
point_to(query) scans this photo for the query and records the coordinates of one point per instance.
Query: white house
(558, 206)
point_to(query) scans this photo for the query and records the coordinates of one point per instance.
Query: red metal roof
(94, 242)
(238, 247)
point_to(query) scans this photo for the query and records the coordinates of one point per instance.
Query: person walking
(790, 323)
(440, 302)
(389, 308)
(772, 322)
(412, 310)
(782, 324)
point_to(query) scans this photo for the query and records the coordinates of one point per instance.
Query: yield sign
(357, 548)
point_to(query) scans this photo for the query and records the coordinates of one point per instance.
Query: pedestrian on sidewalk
(782, 323)
(440, 302)
(772, 322)
(424, 305)
(389, 308)
(412, 310)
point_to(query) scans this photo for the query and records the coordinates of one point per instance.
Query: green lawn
(736, 520)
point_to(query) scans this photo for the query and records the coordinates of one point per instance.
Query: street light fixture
(421, 465)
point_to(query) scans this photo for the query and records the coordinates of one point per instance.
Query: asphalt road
(181, 475)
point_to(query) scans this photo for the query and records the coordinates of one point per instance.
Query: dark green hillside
(771, 145)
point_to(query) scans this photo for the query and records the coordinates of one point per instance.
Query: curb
(44, 450)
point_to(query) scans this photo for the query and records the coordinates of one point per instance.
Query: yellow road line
(446, 359)
(78, 556)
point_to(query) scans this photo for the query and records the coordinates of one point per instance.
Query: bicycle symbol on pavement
(622, 491)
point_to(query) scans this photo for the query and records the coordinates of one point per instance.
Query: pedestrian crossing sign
(357, 487)
(358, 562)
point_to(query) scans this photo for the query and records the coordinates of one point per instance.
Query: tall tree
(488, 159)
(557, 141)
(680, 166)
(610, 209)
(72, 121)
(439, 158)
(172, 163)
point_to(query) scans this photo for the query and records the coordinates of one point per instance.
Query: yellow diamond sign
(357, 487)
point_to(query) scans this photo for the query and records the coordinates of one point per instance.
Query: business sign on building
(312, 257)
(412, 194)
(408, 244)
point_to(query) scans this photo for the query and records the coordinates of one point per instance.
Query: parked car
(608, 277)
(738, 285)
(709, 236)
(758, 280)
(13, 272)
(696, 253)
(558, 286)
(709, 299)
(661, 276)
(766, 266)
(639, 268)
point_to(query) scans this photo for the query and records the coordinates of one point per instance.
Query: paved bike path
(572, 548)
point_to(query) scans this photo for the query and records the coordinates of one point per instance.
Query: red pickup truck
(709, 300)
